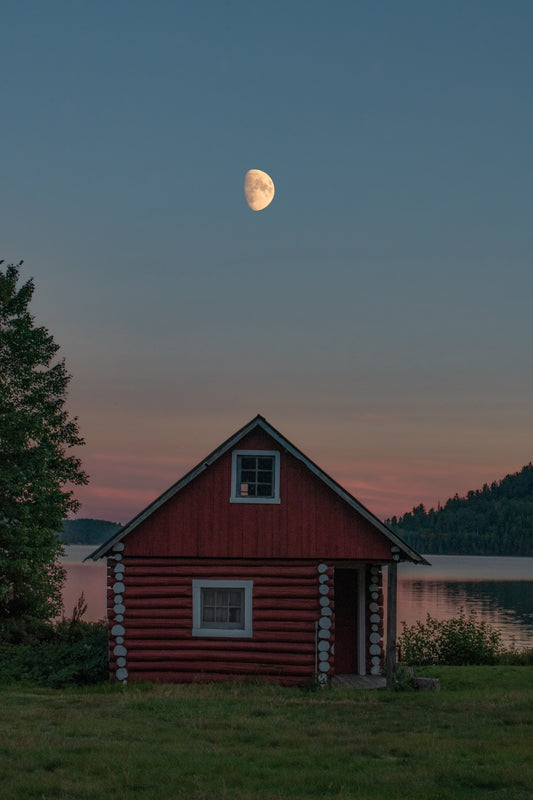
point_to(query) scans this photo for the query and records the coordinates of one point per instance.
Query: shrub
(517, 658)
(55, 654)
(458, 641)
(69, 655)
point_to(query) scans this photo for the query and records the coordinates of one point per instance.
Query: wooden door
(346, 633)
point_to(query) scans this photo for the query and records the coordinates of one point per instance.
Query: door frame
(359, 617)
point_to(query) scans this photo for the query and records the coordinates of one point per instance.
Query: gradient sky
(378, 312)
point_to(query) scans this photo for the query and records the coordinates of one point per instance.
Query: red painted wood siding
(158, 621)
(311, 521)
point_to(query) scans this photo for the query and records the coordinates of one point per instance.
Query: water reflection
(499, 590)
(89, 578)
(506, 607)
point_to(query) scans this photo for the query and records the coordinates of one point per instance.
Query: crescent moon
(258, 189)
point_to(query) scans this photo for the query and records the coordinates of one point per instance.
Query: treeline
(494, 520)
(87, 531)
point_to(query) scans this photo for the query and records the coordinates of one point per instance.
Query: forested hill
(87, 531)
(494, 520)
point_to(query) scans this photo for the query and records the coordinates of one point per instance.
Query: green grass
(240, 741)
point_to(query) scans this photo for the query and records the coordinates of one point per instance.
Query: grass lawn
(472, 739)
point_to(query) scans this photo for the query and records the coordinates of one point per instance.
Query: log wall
(150, 620)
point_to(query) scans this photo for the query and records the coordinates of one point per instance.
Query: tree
(494, 520)
(37, 472)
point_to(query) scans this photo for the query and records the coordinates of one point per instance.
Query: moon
(258, 189)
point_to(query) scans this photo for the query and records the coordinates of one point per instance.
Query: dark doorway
(346, 634)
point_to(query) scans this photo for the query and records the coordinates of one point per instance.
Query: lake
(499, 589)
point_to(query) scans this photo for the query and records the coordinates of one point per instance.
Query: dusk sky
(378, 312)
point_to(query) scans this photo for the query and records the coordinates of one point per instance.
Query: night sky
(378, 312)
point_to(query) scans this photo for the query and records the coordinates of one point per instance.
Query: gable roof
(403, 549)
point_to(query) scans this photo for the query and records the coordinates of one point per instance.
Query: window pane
(222, 608)
(248, 476)
(256, 476)
(226, 613)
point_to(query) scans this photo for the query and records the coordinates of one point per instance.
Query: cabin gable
(308, 521)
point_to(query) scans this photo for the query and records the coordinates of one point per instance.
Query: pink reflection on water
(89, 578)
(440, 601)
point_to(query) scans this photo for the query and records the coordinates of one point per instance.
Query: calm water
(500, 590)
(89, 578)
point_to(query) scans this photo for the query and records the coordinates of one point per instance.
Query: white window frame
(198, 630)
(235, 498)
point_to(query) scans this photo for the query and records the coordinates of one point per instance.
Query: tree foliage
(494, 520)
(37, 467)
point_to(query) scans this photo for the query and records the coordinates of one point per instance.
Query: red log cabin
(255, 564)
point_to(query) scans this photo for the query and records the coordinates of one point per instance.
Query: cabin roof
(404, 550)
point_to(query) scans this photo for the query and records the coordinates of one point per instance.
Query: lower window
(222, 608)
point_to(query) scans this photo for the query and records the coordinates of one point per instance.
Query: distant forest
(87, 531)
(496, 520)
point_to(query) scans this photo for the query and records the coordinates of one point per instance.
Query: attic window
(255, 476)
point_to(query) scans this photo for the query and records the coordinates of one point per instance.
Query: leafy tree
(36, 469)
